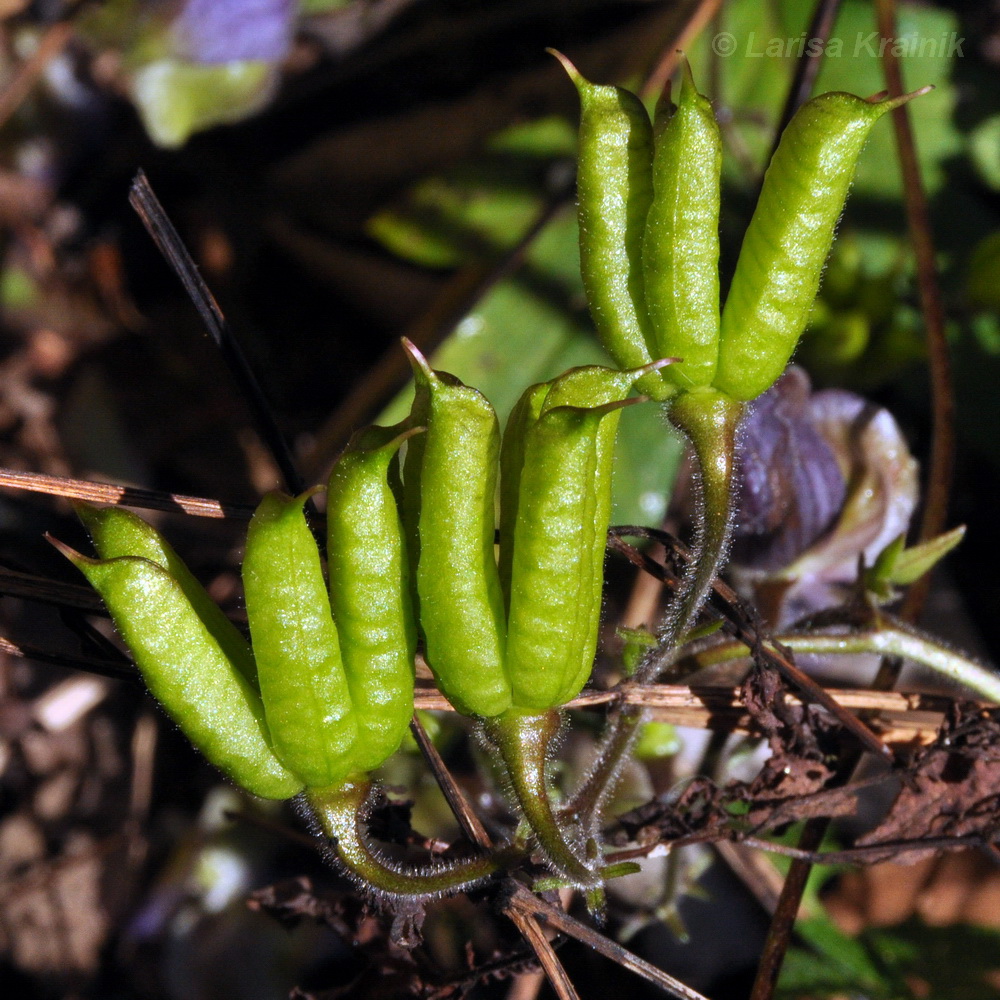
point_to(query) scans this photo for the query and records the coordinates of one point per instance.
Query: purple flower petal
(220, 31)
(826, 477)
(883, 482)
(792, 485)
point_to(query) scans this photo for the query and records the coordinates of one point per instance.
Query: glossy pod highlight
(614, 185)
(116, 532)
(559, 450)
(789, 237)
(449, 487)
(370, 592)
(188, 672)
(680, 245)
(313, 725)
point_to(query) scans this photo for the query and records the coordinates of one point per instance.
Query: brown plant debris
(391, 969)
(952, 787)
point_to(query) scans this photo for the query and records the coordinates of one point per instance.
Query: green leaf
(984, 151)
(475, 213)
(901, 566)
(177, 98)
(836, 963)
(547, 138)
(982, 283)
(621, 869)
(637, 642)
(905, 962)
(656, 741)
(310, 7)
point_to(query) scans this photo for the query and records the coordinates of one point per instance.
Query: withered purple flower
(792, 486)
(825, 477)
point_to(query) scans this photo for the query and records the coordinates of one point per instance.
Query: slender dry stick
(942, 458)
(457, 802)
(476, 833)
(532, 932)
(909, 717)
(52, 43)
(38, 588)
(941, 465)
(169, 243)
(738, 623)
(124, 496)
(870, 853)
(674, 49)
(458, 299)
(808, 65)
(91, 664)
(523, 900)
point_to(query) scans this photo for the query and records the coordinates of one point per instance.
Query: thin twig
(52, 43)
(167, 239)
(870, 853)
(898, 639)
(123, 496)
(808, 63)
(909, 718)
(526, 902)
(738, 623)
(459, 297)
(457, 802)
(529, 927)
(38, 588)
(476, 833)
(674, 49)
(942, 457)
(91, 664)
(939, 479)
(785, 913)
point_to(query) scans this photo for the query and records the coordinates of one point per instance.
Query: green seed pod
(525, 414)
(781, 261)
(583, 388)
(560, 528)
(449, 484)
(551, 599)
(582, 391)
(370, 592)
(302, 680)
(614, 191)
(118, 532)
(680, 248)
(188, 672)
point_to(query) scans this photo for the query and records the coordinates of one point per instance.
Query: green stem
(894, 641)
(340, 812)
(523, 741)
(710, 419)
(587, 803)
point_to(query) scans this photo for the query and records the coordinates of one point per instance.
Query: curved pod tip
(571, 71)
(416, 357)
(886, 103)
(76, 558)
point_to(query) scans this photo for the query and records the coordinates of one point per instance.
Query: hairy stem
(340, 812)
(523, 741)
(710, 419)
(897, 640)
